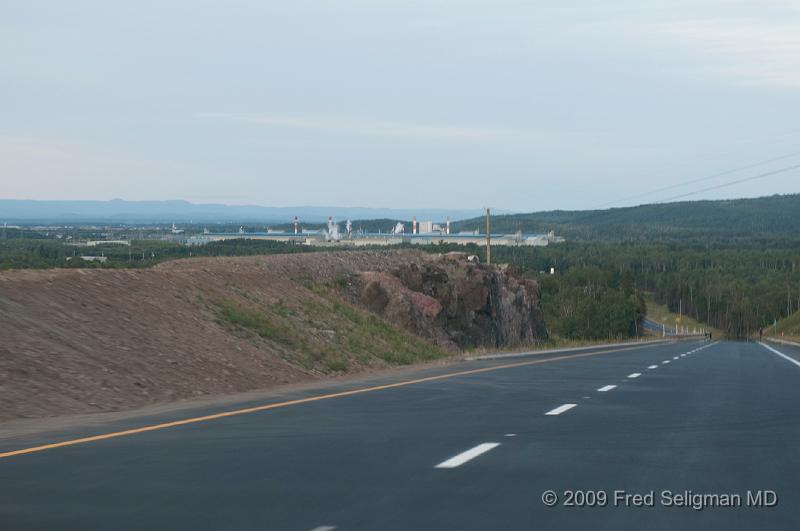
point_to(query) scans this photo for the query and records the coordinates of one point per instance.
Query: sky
(513, 104)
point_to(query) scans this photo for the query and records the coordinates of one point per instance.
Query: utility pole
(488, 237)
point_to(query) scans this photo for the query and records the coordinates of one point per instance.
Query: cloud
(390, 129)
(753, 51)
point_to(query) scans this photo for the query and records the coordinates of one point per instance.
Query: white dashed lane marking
(634, 375)
(606, 388)
(469, 455)
(561, 409)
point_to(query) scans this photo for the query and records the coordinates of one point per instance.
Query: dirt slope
(74, 341)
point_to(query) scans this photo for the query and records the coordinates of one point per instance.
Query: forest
(735, 290)
(38, 253)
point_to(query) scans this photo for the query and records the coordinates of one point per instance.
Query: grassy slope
(324, 333)
(788, 328)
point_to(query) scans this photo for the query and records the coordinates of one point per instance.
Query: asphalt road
(474, 451)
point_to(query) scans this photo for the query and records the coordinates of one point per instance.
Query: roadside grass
(323, 332)
(788, 328)
(259, 322)
(363, 334)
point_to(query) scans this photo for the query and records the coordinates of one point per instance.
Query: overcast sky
(521, 105)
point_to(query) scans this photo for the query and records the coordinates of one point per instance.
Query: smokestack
(448, 225)
(296, 225)
(414, 225)
(488, 237)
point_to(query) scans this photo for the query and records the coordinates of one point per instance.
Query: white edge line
(561, 409)
(783, 341)
(781, 354)
(470, 454)
(569, 349)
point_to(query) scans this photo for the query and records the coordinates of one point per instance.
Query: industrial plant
(420, 233)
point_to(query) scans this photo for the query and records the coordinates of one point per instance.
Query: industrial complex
(420, 233)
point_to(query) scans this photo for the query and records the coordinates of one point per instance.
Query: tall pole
(488, 237)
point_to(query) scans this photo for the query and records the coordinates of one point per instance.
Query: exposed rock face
(457, 303)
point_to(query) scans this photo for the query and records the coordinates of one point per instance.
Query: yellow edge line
(266, 407)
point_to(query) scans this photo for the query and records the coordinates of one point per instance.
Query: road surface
(476, 450)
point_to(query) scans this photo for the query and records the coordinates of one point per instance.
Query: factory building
(421, 233)
(426, 235)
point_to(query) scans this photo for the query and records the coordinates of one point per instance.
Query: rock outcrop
(456, 303)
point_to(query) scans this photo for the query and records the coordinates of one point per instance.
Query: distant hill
(120, 211)
(773, 217)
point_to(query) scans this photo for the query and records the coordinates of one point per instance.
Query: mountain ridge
(181, 211)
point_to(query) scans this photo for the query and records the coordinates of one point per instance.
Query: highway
(467, 446)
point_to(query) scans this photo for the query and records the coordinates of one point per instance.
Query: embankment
(77, 341)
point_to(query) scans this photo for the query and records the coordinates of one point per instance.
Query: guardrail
(669, 331)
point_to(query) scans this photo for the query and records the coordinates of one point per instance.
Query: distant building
(425, 227)
(95, 243)
(101, 259)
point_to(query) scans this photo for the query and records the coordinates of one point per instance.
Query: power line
(731, 183)
(702, 179)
